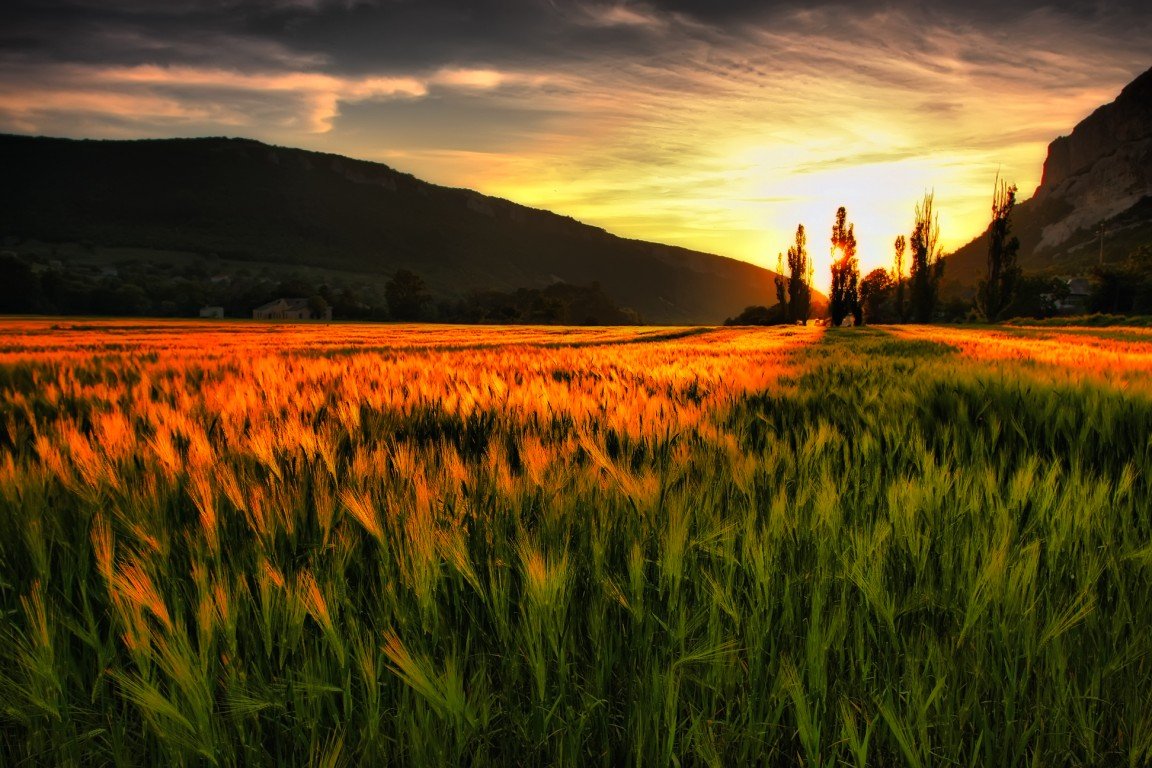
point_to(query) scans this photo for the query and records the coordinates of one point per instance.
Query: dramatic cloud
(717, 125)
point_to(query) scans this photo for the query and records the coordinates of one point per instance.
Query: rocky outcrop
(1101, 173)
(1101, 169)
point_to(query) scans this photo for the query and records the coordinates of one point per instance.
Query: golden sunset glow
(719, 130)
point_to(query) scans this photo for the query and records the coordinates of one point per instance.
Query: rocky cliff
(1100, 173)
(1103, 168)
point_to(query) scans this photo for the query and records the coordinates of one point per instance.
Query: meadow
(244, 544)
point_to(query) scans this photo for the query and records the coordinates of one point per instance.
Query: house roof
(284, 304)
(1079, 286)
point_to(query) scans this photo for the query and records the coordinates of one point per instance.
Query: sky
(718, 125)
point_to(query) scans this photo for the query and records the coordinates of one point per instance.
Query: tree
(758, 315)
(799, 279)
(874, 290)
(898, 277)
(781, 287)
(405, 294)
(926, 267)
(318, 306)
(844, 299)
(1124, 288)
(996, 291)
(1037, 297)
(19, 286)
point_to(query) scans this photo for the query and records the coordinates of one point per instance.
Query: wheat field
(246, 544)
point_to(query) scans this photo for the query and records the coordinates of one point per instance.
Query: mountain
(240, 201)
(1101, 173)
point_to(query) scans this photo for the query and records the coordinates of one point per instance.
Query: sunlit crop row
(1121, 357)
(213, 338)
(266, 403)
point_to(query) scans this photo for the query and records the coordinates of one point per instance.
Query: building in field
(216, 313)
(1079, 292)
(290, 309)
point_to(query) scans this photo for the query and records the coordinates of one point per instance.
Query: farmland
(245, 544)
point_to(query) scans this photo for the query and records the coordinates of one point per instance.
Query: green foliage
(759, 315)
(944, 563)
(1124, 287)
(1036, 297)
(558, 304)
(168, 285)
(407, 294)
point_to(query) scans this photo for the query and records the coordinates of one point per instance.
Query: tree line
(909, 292)
(914, 296)
(32, 283)
(557, 304)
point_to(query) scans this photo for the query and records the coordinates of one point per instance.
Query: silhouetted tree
(998, 287)
(318, 306)
(559, 303)
(799, 279)
(294, 286)
(1124, 288)
(926, 267)
(844, 298)
(758, 315)
(781, 286)
(1037, 297)
(19, 286)
(874, 290)
(898, 278)
(405, 294)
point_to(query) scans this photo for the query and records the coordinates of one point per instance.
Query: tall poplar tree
(782, 289)
(926, 267)
(999, 285)
(799, 279)
(845, 295)
(898, 277)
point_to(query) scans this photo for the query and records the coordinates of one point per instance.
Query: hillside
(239, 201)
(1101, 173)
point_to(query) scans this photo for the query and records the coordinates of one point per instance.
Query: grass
(1096, 320)
(344, 545)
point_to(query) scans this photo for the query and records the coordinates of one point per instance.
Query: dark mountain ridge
(1100, 174)
(243, 200)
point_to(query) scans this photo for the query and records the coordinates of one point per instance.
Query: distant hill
(243, 201)
(1101, 173)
